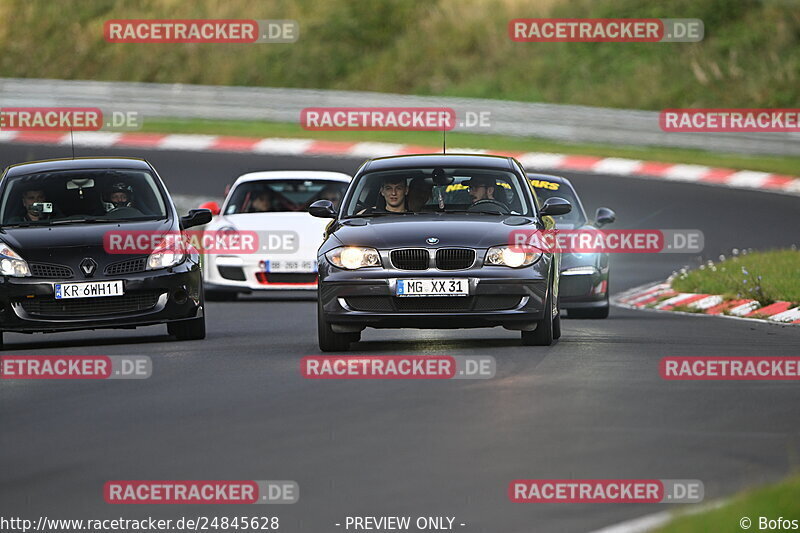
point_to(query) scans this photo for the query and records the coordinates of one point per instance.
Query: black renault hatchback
(425, 241)
(57, 270)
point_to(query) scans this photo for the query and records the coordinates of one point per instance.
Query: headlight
(169, 252)
(354, 257)
(512, 256)
(11, 264)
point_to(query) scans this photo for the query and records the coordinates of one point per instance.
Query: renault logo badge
(88, 266)
(432, 240)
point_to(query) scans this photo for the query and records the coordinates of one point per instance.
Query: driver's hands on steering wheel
(500, 206)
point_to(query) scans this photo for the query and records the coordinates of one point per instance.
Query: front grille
(434, 303)
(410, 259)
(91, 307)
(370, 303)
(496, 302)
(129, 266)
(388, 304)
(287, 277)
(454, 258)
(46, 270)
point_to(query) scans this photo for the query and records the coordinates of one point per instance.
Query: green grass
(764, 276)
(776, 164)
(750, 56)
(771, 502)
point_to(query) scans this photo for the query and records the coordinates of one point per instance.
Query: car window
(275, 196)
(544, 189)
(77, 196)
(455, 190)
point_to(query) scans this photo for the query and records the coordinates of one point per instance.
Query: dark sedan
(59, 267)
(584, 276)
(423, 241)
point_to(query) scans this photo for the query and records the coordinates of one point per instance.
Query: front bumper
(498, 297)
(247, 273)
(27, 305)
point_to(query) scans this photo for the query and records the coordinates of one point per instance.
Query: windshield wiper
(382, 214)
(470, 212)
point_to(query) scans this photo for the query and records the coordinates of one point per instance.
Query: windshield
(545, 189)
(429, 190)
(276, 196)
(81, 196)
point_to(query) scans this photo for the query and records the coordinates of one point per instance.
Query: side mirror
(322, 209)
(211, 206)
(195, 217)
(604, 216)
(555, 206)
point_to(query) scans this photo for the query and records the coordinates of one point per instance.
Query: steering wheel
(494, 206)
(122, 212)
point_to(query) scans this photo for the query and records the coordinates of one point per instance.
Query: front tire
(596, 312)
(329, 340)
(544, 333)
(220, 296)
(188, 330)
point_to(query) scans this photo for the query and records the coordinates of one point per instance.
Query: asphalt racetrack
(236, 407)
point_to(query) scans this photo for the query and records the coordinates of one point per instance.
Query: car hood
(308, 231)
(55, 243)
(468, 230)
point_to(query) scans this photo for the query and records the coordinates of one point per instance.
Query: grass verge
(244, 128)
(770, 502)
(768, 277)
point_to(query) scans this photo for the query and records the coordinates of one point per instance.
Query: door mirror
(322, 209)
(196, 217)
(555, 206)
(604, 216)
(211, 206)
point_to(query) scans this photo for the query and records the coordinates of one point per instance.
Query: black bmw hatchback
(58, 271)
(425, 241)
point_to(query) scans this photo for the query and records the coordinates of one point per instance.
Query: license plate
(88, 289)
(432, 287)
(290, 266)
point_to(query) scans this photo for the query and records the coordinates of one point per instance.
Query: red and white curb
(661, 297)
(726, 177)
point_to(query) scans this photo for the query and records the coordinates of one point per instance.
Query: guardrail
(549, 121)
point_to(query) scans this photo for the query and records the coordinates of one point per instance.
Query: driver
(119, 195)
(30, 197)
(481, 188)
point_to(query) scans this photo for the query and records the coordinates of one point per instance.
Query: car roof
(51, 165)
(496, 162)
(549, 177)
(293, 174)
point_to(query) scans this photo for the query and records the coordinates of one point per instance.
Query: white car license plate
(290, 266)
(432, 287)
(88, 289)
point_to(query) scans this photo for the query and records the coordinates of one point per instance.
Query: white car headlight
(354, 257)
(11, 264)
(169, 252)
(512, 256)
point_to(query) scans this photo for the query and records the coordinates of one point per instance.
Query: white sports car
(274, 205)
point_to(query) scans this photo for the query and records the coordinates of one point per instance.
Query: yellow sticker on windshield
(541, 184)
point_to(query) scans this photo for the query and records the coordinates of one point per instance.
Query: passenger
(419, 194)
